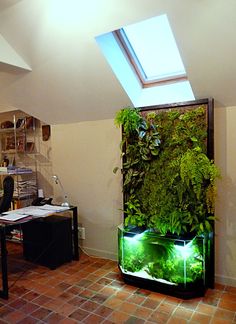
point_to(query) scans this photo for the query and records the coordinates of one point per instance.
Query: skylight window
(146, 61)
(151, 48)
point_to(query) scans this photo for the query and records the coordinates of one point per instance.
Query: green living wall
(168, 178)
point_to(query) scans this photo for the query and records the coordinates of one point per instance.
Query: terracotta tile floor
(91, 291)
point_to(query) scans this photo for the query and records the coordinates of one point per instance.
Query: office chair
(8, 189)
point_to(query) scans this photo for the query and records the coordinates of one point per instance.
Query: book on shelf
(24, 188)
(4, 169)
(15, 170)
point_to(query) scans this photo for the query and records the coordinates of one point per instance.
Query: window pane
(155, 47)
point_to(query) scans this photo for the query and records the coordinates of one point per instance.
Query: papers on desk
(13, 217)
(35, 211)
(54, 208)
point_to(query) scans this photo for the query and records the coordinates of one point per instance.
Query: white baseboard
(99, 253)
(224, 280)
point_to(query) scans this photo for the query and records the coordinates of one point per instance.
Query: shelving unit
(17, 139)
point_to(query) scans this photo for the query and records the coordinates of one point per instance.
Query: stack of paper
(53, 208)
(12, 217)
(35, 211)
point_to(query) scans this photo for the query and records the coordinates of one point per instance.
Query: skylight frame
(130, 54)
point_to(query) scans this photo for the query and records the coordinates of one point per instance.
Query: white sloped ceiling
(70, 79)
(9, 56)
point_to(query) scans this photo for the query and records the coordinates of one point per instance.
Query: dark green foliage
(134, 216)
(169, 182)
(173, 268)
(134, 255)
(140, 144)
(148, 140)
(134, 263)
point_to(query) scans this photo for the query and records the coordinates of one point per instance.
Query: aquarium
(169, 263)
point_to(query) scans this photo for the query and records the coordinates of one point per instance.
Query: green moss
(169, 182)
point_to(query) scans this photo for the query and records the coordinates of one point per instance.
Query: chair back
(8, 189)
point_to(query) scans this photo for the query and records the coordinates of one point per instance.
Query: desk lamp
(57, 181)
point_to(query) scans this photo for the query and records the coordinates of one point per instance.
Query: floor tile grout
(91, 290)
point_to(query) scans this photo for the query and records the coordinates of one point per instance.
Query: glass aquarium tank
(168, 264)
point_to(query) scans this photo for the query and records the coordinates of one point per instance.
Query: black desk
(4, 226)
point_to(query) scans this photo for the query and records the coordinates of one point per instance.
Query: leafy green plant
(139, 145)
(169, 182)
(134, 257)
(129, 118)
(196, 170)
(133, 261)
(172, 266)
(199, 174)
(134, 215)
(148, 140)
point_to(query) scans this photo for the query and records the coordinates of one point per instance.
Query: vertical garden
(169, 188)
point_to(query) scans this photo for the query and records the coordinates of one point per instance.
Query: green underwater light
(185, 250)
(132, 239)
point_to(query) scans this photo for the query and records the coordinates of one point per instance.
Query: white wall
(84, 155)
(225, 157)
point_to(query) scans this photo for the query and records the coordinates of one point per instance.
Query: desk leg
(75, 233)
(4, 291)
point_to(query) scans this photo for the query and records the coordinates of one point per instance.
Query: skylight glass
(153, 47)
(146, 61)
